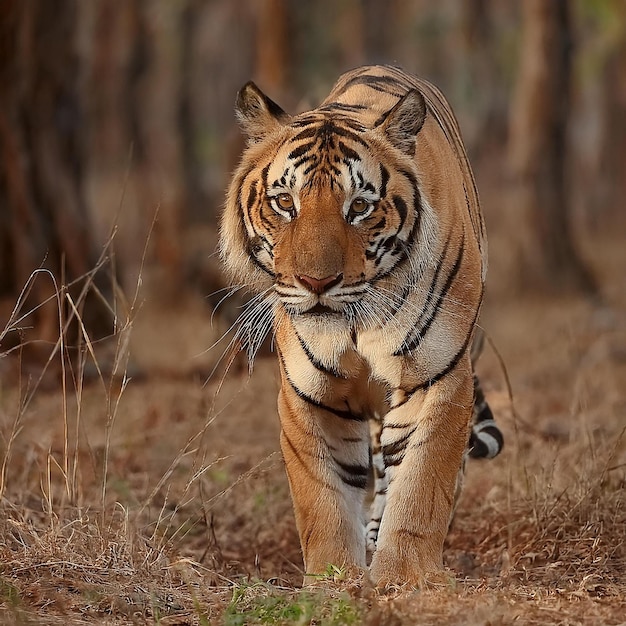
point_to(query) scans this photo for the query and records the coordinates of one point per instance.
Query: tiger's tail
(486, 440)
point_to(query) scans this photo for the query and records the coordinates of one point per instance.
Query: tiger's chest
(328, 362)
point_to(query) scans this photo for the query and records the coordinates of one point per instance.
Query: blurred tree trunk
(191, 20)
(42, 203)
(272, 48)
(538, 152)
(486, 126)
(109, 53)
(349, 32)
(389, 31)
(610, 188)
(158, 154)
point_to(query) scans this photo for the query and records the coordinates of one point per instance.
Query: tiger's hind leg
(377, 507)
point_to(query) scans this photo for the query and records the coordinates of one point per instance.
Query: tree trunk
(538, 153)
(349, 32)
(485, 122)
(272, 47)
(42, 204)
(610, 185)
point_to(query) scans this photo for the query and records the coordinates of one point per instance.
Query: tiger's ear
(405, 120)
(257, 114)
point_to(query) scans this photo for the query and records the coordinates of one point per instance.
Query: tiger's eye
(285, 201)
(359, 205)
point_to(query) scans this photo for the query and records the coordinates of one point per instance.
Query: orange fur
(360, 222)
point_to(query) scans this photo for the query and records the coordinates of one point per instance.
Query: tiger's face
(331, 208)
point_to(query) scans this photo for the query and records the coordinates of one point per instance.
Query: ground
(158, 495)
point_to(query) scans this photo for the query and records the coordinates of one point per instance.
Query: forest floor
(160, 496)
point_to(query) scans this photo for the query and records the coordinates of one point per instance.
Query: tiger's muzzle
(319, 285)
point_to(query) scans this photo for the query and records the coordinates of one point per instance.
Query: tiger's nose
(319, 285)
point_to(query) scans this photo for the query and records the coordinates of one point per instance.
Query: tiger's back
(358, 224)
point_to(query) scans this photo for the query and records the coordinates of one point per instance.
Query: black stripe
(401, 260)
(348, 152)
(429, 298)
(414, 187)
(329, 129)
(251, 197)
(359, 482)
(478, 448)
(384, 179)
(352, 468)
(415, 342)
(309, 158)
(260, 265)
(305, 120)
(380, 119)
(401, 208)
(412, 179)
(398, 446)
(356, 474)
(380, 225)
(402, 245)
(377, 83)
(256, 261)
(353, 124)
(305, 466)
(340, 106)
(346, 415)
(392, 426)
(481, 408)
(307, 133)
(254, 245)
(453, 362)
(316, 363)
(301, 150)
(396, 460)
(406, 246)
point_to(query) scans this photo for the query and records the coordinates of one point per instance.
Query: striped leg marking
(380, 487)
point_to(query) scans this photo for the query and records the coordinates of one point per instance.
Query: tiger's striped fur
(358, 225)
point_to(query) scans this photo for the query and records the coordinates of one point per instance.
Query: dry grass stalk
(145, 501)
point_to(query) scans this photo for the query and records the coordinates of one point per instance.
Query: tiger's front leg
(423, 441)
(327, 461)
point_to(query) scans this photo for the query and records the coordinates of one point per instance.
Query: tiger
(358, 229)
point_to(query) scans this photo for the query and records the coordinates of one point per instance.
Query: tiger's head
(323, 209)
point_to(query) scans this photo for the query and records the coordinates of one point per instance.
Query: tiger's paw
(433, 580)
(392, 571)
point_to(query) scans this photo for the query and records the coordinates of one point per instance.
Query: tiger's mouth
(316, 310)
(321, 309)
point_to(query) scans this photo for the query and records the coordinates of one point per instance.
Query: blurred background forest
(117, 133)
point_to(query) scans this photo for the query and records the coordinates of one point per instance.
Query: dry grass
(134, 493)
